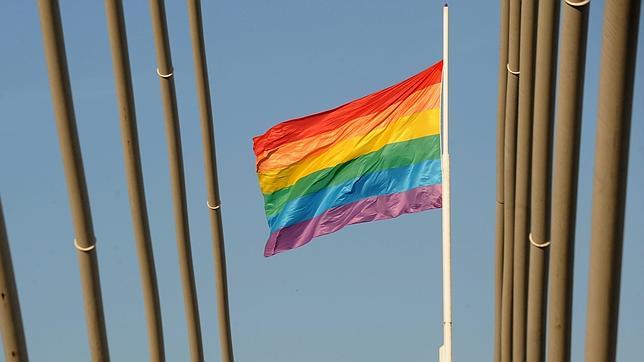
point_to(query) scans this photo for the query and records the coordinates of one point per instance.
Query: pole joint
(164, 75)
(512, 71)
(577, 4)
(538, 245)
(86, 248)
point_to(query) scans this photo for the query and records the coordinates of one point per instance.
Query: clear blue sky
(371, 292)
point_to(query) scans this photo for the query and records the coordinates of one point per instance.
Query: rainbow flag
(371, 159)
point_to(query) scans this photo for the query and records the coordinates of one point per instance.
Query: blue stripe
(383, 182)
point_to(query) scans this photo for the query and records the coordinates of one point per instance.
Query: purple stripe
(369, 209)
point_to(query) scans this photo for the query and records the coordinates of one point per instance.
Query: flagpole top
(445, 5)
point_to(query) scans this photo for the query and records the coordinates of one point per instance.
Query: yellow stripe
(404, 129)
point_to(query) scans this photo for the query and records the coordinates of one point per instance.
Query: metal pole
(522, 201)
(446, 352)
(13, 335)
(500, 134)
(129, 137)
(73, 164)
(165, 72)
(212, 184)
(566, 166)
(544, 92)
(511, 104)
(621, 25)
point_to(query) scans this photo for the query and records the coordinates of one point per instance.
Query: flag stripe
(316, 124)
(407, 128)
(383, 182)
(390, 156)
(294, 151)
(373, 208)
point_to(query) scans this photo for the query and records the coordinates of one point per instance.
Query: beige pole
(13, 334)
(212, 184)
(570, 89)
(619, 49)
(84, 241)
(168, 93)
(130, 140)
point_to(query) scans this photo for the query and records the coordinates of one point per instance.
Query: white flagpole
(445, 352)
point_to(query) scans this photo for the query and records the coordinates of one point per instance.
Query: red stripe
(316, 124)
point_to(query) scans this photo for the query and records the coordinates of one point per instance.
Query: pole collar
(577, 4)
(542, 245)
(212, 207)
(512, 71)
(164, 75)
(84, 249)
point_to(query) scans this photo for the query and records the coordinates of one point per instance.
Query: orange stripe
(289, 153)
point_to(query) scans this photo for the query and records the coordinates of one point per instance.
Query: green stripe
(390, 156)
